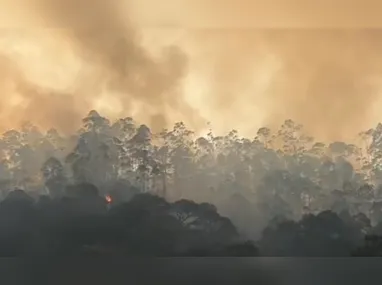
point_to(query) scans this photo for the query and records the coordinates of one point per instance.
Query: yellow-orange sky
(241, 64)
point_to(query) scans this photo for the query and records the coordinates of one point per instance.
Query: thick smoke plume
(114, 65)
(329, 80)
(318, 62)
(23, 100)
(255, 69)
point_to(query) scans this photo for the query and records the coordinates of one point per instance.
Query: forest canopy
(117, 186)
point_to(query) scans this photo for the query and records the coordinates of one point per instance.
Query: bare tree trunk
(164, 178)
(164, 181)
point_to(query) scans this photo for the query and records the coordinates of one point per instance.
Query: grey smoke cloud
(326, 78)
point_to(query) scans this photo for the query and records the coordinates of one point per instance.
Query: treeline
(283, 190)
(83, 222)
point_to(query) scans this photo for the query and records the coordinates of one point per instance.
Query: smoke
(326, 79)
(298, 14)
(29, 100)
(252, 63)
(114, 68)
(315, 62)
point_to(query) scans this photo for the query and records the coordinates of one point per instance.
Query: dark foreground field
(194, 271)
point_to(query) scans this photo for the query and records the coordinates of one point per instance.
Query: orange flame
(108, 199)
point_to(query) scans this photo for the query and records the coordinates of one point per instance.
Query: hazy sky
(259, 13)
(239, 64)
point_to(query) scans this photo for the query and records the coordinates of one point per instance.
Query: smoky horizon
(237, 66)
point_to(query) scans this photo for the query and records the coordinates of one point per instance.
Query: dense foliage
(172, 193)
